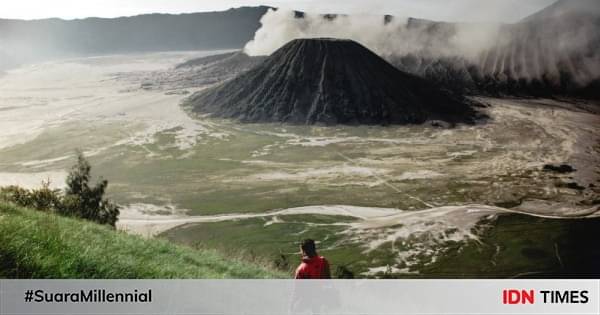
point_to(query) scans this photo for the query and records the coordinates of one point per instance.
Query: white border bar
(340, 297)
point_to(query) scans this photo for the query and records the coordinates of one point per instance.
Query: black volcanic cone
(329, 81)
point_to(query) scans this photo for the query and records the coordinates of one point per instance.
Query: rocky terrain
(329, 81)
(552, 52)
(193, 74)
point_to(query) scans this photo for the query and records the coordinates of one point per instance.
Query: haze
(456, 10)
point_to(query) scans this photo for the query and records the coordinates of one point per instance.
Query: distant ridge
(55, 38)
(553, 52)
(569, 7)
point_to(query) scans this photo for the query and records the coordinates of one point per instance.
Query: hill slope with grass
(36, 244)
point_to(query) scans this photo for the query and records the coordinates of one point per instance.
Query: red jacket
(315, 267)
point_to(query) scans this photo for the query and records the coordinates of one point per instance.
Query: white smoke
(394, 38)
(537, 50)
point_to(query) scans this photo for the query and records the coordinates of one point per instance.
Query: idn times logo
(514, 296)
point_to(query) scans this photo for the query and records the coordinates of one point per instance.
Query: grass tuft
(35, 244)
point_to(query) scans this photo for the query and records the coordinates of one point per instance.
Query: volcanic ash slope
(329, 81)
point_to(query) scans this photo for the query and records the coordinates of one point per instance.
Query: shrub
(44, 199)
(79, 199)
(84, 201)
(16, 194)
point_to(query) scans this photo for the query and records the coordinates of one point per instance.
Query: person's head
(308, 248)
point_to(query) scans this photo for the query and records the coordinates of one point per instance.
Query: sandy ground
(56, 179)
(139, 218)
(573, 133)
(38, 98)
(373, 227)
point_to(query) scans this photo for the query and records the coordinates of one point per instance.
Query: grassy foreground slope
(35, 244)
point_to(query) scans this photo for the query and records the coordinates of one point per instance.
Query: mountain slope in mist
(230, 62)
(555, 51)
(55, 38)
(199, 72)
(329, 81)
(566, 9)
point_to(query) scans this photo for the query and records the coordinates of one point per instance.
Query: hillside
(36, 244)
(36, 40)
(566, 7)
(552, 52)
(329, 81)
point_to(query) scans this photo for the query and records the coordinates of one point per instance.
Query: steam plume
(385, 35)
(545, 46)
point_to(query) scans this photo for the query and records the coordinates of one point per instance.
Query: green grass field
(512, 245)
(36, 244)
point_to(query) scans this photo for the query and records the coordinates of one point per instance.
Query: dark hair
(309, 248)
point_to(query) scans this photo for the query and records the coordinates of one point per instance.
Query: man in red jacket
(313, 266)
